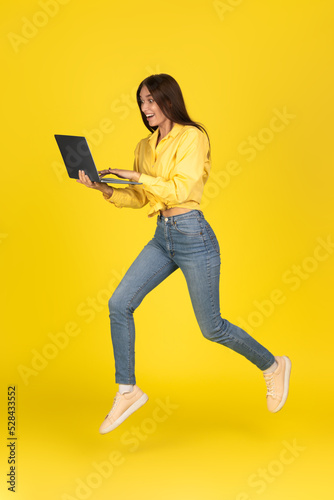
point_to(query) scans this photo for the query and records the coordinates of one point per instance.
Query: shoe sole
(135, 406)
(286, 383)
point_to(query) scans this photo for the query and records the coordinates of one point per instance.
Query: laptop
(77, 156)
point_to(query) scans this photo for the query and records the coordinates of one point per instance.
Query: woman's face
(149, 107)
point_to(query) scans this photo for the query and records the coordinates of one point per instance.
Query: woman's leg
(197, 254)
(149, 269)
(196, 251)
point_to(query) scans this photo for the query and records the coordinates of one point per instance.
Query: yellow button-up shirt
(173, 173)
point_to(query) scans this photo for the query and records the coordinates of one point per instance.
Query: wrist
(106, 190)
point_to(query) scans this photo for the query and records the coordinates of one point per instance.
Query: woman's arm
(192, 167)
(131, 175)
(100, 186)
(133, 196)
(130, 197)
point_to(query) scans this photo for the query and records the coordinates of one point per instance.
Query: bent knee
(121, 304)
(209, 335)
(116, 303)
(214, 333)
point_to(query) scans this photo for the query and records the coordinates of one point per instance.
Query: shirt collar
(173, 133)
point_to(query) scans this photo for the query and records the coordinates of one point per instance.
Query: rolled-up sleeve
(133, 196)
(189, 174)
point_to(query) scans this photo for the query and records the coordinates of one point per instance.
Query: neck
(165, 128)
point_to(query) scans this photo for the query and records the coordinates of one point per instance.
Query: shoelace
(269, 379)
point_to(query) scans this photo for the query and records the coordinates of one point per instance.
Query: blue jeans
(184, 241)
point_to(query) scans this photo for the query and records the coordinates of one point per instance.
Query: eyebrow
(148, 95)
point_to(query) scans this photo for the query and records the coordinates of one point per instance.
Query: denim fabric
(184, 241)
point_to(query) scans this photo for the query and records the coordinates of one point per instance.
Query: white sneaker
(278, 384)
(124, 405)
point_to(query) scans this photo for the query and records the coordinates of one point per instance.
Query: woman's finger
(84, 179)
(123, 174)
(82, 175)
(104, 172)
(88, 181)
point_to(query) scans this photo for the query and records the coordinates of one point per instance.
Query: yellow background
(72, 67)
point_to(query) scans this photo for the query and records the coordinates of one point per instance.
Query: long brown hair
(168, 95)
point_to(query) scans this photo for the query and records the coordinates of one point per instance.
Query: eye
(151, 100)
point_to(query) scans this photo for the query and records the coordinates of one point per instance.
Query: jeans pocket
(189, 226)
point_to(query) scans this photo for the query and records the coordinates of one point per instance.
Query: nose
(144, 107)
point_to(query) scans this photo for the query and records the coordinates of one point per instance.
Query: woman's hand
(85, 180)
(131, 175)
(100, 186)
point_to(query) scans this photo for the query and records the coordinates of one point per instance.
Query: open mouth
(149, 116)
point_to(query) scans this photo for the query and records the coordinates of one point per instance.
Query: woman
(173, 164)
